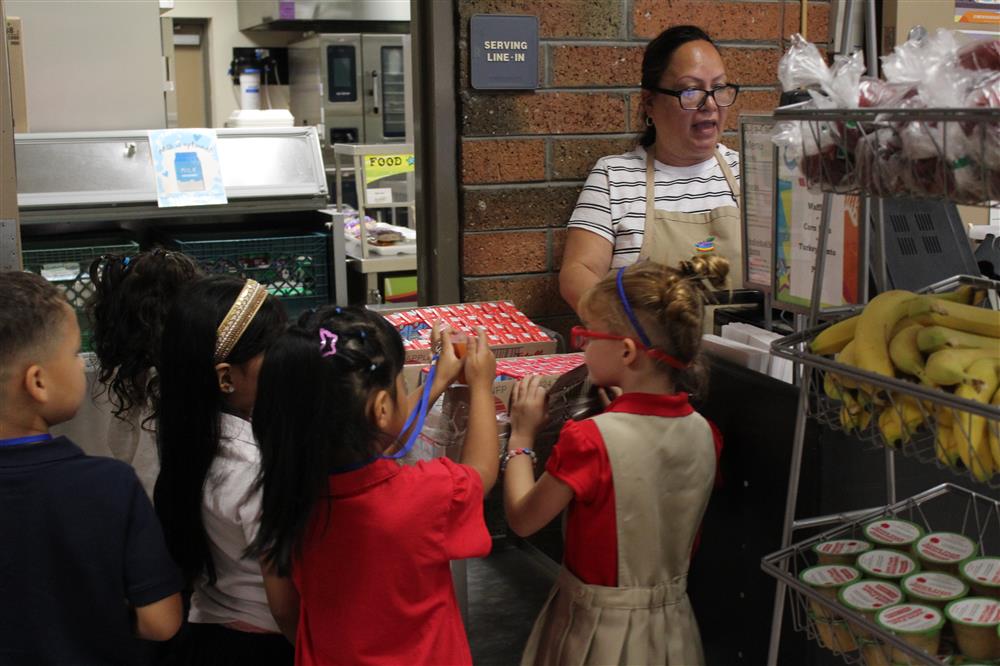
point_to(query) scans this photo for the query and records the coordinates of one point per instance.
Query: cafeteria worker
(676, 194)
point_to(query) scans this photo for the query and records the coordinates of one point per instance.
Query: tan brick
(542, 113)
(511, 161)
(596, 66)
(517, 208)
(752, 67)
(558, 246)
(721, 19)
(636, 120)
(591, 19)
(503, 253)
(751, 101)
(535, 295)
(572, 159)
(818, 19)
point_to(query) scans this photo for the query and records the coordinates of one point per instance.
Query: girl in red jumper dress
(636, 478)
(367, 542)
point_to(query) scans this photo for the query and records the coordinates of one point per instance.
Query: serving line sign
(504, 52)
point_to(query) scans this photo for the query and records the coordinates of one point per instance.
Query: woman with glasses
(676, 194)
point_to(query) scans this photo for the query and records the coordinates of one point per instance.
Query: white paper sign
(186, 163)
(757, 183)
(378, 195)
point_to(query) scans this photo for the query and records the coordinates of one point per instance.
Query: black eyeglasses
(692, 99)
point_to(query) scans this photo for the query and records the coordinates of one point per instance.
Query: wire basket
(915, 153)
(68, 268)
(293, 268)
(921, 422)
(848, 633)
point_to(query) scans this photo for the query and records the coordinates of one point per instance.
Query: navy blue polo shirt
(79, 541)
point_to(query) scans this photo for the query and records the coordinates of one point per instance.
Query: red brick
(636, 120)
(503, 161)
(558, 246)
(731, 140)
(751, 101)
(572, 159)
(818, 19)
(560, 324)
(504, 253)
(518, 208)
(535, 295)
(752, 67)
(590, 19)
(722, 19)
(542, 113)
(596, 66)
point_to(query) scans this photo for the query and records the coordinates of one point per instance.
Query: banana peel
(871, 338)
(854, 415)
(969, 431)
(835, 337)
(846, 356)
(904, 352)
(959, 316)
(948, 367)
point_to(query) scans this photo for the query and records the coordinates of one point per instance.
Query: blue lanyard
(20, 441)
(419, 414)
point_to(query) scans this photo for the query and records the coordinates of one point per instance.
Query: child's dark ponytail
(312, 416)
(132, 295)
(188, 425)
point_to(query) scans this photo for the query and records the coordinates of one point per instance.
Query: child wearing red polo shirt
(367, 542)
(636, 478)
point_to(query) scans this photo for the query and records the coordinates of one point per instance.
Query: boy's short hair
(31, 310)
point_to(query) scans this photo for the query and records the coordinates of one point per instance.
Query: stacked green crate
(293, 268)
(67, 265)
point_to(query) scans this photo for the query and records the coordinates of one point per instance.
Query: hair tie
(372, 367)
(337, 310)
(327, 342)
(628, 309)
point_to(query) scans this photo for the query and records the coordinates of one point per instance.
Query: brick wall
(524, 156)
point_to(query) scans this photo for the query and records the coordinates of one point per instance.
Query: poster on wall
(797, 220)
(186, 163)
(977, 11)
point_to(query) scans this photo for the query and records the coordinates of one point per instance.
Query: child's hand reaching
(480, 364)
(527, 407)
(448, 364)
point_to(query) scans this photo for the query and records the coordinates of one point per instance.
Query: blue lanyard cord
(20, 441)
(419, 413)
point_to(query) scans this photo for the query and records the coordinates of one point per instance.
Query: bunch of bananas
(944, 341)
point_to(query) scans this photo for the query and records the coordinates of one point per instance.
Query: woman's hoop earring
(649, 121)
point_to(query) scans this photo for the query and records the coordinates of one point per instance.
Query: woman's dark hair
(656, 60)
(312, 416)
(132, 295)
(188, 423)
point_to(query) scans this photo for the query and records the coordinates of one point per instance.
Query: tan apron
(663, 470)
(670, 238)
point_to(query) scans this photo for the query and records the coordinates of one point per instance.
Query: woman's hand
(480, 364)
(448, 364)
(527, 407)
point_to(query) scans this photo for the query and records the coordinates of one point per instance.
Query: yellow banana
(900, 419)
(835, 337)
(871, 337)
(934, 338)
(905, 353)
(905, 322)
(832, 387)
(950, 366)
(854, 415)
(964, 294)
(969, 431)
(944, 446)
(993, 431)
(968, 318)
(846, 356)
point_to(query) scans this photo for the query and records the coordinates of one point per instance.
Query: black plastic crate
(67, 265)
(293, 268)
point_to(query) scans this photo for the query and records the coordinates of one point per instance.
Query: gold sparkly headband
(238, 319)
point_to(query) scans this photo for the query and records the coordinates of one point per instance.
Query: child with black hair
(83, 566)
(213, 343)
(132, 294)
(636, 479)
(367, 541)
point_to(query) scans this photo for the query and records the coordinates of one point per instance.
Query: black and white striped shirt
(613, 201)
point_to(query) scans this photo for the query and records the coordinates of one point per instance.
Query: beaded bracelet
(516, 452)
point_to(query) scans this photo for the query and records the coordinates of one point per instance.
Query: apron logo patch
(707, 245)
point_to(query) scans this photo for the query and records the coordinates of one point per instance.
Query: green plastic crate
(293, 268)
(67, 265)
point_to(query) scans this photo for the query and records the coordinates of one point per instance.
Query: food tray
(915, 153)
(946, 507)
(935, 406)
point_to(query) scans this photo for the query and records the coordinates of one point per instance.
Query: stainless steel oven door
(385, 105)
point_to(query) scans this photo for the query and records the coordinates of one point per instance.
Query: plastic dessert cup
(827, 579)
(934, 588)
(887, 564)
(944, 551)
(893, 533)
(840, 551)
(918, 625)
(983, 575)
(975, 620)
